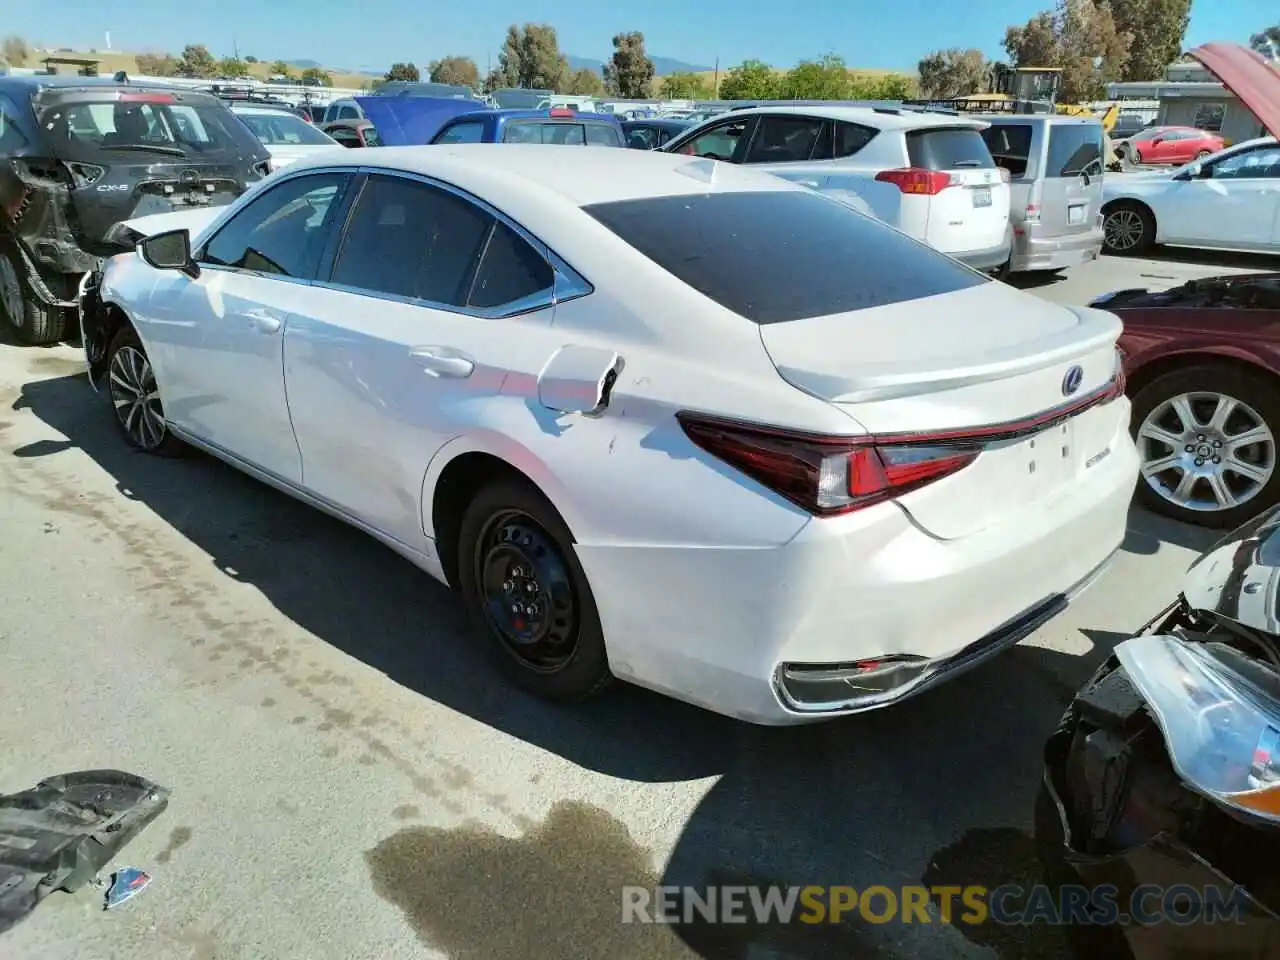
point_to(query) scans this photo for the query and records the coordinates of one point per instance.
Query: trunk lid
(988, 361)
(972, 212)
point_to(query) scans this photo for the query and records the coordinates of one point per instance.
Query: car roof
(26, 84)
(883, 118)
(519, 113)
(266, 108)
(582, 176)
(1044, 119)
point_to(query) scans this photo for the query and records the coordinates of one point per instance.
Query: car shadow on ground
(938, 790)
(1251, 262)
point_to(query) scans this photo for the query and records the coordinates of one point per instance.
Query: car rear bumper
(1033, 252)
(764, 633)
(988, 258)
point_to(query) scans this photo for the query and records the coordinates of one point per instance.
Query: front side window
(721, 142)
(467, 131)
(410, 239)
(282, 232)
(1010, 146)
(786, 139)
(850, 138)
(1257, 164)
(642, 138)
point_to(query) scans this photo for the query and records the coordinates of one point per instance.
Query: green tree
(197, 61)
(157, 64)
(629, 71)
(1156, 29)
(895, 86)
(317, 77)
(750, 80)
(14, 51)
(685, 86)
(1080, 38)
(231, 67)
(585, 83)
(279, 68)
(461, 71)
(495, 79)
(824, 79)
(952, 73)
(404, 71)
(1267, 42)
(531, 58)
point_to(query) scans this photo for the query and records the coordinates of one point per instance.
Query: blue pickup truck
(402, 121)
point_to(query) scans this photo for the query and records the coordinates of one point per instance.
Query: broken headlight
(1219, 711)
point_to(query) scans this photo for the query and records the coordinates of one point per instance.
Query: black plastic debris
(62, 832)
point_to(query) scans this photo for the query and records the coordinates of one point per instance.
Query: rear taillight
(828, 475)
(1032, 213)
(915, 180)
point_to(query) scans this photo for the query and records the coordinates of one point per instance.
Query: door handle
(442, 362)
(264, 322)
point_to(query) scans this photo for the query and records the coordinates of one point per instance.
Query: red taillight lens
(827, 475)
(915, 180)
(561, 112)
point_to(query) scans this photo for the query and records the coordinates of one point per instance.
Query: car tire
(135, 396)
(1135, 156)
(34, 322)
(513, 545)
(1129, 217)
(1257, 398)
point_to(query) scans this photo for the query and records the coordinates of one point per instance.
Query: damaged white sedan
(653, 417)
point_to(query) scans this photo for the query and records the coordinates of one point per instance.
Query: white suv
(928, 174)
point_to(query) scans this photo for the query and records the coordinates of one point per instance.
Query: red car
(1176, 145)
(1203, 367)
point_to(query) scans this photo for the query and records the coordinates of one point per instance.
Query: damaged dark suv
(78, 156)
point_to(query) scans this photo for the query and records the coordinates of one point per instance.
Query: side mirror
(170, 250)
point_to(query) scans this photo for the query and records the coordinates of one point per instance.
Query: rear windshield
(786, 255)
(1010, 146)
(283, 129)
(159, 125)
(949, 148)
(575, 133)
(1075, 149)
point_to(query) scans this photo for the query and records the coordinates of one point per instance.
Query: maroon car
(1177, 145)
(1203, 362)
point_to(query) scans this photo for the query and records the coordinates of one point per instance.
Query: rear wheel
(527, 595)
(132, 387)
(1128, 228)
(1207, 437)
(34, 321)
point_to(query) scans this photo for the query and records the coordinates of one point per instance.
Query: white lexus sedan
(652, 417)
(1229, 201)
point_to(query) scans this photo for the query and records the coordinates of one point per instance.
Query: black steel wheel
(527, 595)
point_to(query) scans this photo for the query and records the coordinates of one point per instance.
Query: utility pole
(235, 48)
(715, 90)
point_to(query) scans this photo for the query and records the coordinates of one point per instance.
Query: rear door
(1015, 147)
(1071, 198)
(972, 211)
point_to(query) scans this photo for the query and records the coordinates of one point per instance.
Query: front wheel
(527, 595)
(1128, 229)
(1206, 437)
(135, 395)
(35, 322)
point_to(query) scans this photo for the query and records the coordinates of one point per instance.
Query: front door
(1234, 204)
(217, 340)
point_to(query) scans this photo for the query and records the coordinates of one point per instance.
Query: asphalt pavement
(350, 779)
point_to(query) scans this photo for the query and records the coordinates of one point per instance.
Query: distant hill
(304, 64)
(661, 65)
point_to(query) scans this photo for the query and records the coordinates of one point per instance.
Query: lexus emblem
(1072, 379)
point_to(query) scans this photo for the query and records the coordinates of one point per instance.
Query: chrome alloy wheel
(1123, 229)
(11, 291)
(1206, 451)
(136, 397)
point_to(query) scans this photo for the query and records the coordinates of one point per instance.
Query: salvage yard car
(653, 417)
(78, 155)
(286, 135)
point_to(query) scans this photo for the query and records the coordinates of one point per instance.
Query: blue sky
(891, 35)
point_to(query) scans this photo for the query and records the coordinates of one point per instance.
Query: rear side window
(948, 148)
(785, 139)
(775, 256)
(1074, 149)
(1010, 146)
(602, 135)
(469, 131)
(511, 270)
(412, 240)
(348, 113)
(850, 138)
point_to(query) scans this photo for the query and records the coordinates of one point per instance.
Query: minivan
(1055, 166)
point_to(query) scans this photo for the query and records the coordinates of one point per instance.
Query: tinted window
(155, 123)
(371, 138)
(850, 138)
(1259, 163)
(469, 131)
(1209, 117)
(511, 270)
(348, 138)
(718, 143)
(784, 139)
(601, 135)
(283, 129)
(1010, 146)
(1075, 149)
(282, 232)
(642, 138)
(778, 256)
(348, 113)
(411, 240)
(948, 149)
(542, 131)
